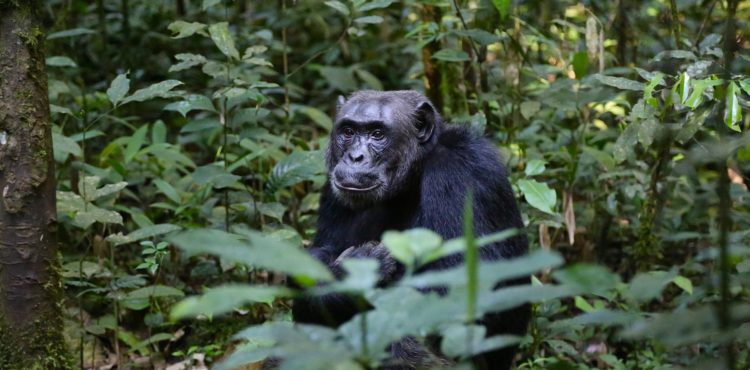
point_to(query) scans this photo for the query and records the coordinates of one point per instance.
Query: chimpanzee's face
(374, 145)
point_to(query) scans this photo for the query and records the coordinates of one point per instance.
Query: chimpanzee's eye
(348, 132)
(377, 134)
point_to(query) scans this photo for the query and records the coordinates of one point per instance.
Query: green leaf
(656, 80)
(412, 245)
(451, 55)
(649, 285)
(684, 283)
(224, 298)
(192, 102)
(168, 190)
(619, 82)
(155, 291)
(84, 214)
(732, 110)
(142, 233)
(338, 6)
(64, 147)
(215, 175)
(503, 8)
(374, 4)
(626, 143)
(118, 88)
(60, 62)
(187, 60)
(529, 108)
(587, 278)
(370, 19)
(295, 168)
(70, 33)
(580, 64)
(157, 90)
(370, 79)
(318, 116)
(534, 167)
(745, 84)
(209, 3)
(538, 195)
(223, 39)
(260, 251)
(134, 143)
(339, 78)
(184, 29)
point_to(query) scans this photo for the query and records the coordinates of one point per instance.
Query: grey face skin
(376, 139)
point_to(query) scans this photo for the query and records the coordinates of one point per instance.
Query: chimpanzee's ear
(426, 121)
(340, 102)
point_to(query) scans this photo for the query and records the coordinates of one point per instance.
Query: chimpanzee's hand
(389, 267)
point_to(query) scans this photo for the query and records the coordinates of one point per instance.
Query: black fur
(436, 174)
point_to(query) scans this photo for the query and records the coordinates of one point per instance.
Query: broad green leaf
(412, 245)
(318, 116)
(64, 147)
(338, 6)
(209, 3)
(587, 278)
(626, 143)
(155, 291)
(84, 214)
(534, 167)
(157, 90)
(370, 79)
(70, 33)
(649, 285)
(135, 142)
(254, 50)
(684, 283)
(187, 60)
(503, 8)
(184, 29)
(580, 64)
(538, 195)
(370, 19)
(451, 55)
(223, 39)
(118, 88)
(142, 233)
(88, 187)
(168, 190)
(601, 156)
(339, 77)
(480, 36)
(260, 251)
(192, 102)
(619, 82)
(61, 62)
(745, 85)
(224, 298)
(732, 110)
(295, 168)
(675, 54)
(374, 4)
(214, 175)
(656, 80)
(529, 108)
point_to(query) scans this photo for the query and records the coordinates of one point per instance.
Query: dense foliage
(188, 137)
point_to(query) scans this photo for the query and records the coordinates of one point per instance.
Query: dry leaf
(569, 215)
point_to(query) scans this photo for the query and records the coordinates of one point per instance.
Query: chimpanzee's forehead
(385, 110)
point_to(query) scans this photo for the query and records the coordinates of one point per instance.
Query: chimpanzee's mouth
(355, 188)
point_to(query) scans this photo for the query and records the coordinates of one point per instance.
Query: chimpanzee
(394, 165)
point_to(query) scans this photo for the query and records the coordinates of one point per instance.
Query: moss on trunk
(31, 327)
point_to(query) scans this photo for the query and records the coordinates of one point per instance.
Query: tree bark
(31, 326)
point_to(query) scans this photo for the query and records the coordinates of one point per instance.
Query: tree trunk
(31, 328)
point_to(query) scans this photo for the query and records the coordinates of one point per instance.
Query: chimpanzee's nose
(356, 157)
